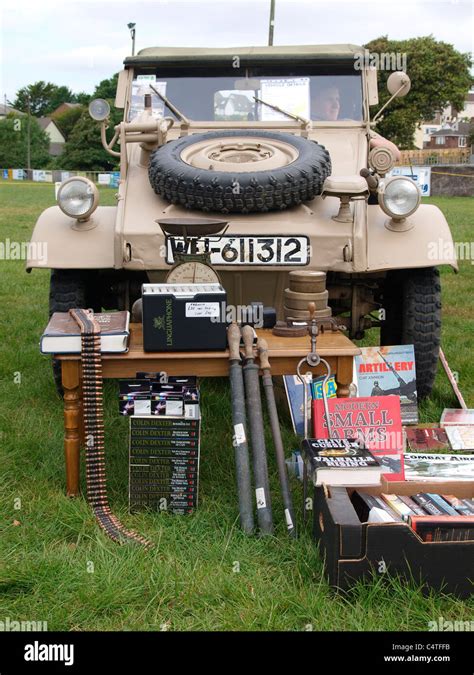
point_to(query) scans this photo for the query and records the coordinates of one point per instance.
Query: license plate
(244, 250)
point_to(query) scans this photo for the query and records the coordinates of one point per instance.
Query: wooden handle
(311, 310)
(247, 336)
(262, 347)
(233, 338)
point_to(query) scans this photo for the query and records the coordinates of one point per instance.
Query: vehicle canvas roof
(197, 55)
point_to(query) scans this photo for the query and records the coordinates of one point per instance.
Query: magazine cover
(294, 394)
(441, 467)
(381, 371)
(427, 439)
(457, 416)
(461, 438)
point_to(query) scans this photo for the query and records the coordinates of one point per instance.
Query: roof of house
(44, 122)
(6, 110)
(449, 132)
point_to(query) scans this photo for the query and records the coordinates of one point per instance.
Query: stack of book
(164, 463)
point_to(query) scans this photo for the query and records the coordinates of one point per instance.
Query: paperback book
(457, 416)
(382, 371)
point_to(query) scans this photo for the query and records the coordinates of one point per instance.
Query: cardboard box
(353, 549)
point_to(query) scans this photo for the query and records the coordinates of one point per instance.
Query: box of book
(421, 531)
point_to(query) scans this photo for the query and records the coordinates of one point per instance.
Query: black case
(353, 549)
(168, 326)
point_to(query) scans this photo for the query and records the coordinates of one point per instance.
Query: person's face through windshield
(326, 104)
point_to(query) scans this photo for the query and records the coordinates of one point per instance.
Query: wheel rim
(239, 153)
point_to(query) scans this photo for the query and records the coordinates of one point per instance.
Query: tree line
(440, 76)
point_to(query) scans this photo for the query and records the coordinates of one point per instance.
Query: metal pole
(28, 137)
(242, 461)
(276, 433)
(257, 435)
(272, 22)
(133, 41)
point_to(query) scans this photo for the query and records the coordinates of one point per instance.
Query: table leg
(72, 424)
(343, 375)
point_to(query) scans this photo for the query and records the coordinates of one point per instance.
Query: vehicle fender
(61, 242)
(423, 240)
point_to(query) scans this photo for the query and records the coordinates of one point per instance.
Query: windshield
(316, 94)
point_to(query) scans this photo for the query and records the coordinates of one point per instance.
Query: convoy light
(399, 196)
(78, 197)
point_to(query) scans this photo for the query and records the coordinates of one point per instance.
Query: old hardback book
(62, 334)
(340, 462)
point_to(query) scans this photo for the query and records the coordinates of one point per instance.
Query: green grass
(203, 574)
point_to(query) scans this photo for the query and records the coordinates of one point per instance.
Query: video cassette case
(164, 455)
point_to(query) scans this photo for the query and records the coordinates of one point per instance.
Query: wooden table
(284, 355)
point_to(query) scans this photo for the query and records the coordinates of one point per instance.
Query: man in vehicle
(326, 106)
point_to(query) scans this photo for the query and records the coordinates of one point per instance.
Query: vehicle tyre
(210, 172)
(69, 289)
(412, 301)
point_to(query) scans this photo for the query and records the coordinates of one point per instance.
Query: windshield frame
(269, 70)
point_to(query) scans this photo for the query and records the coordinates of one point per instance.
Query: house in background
(449, 118)
(450, 138)
(56, 139)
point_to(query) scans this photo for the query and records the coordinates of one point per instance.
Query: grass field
(203, 574)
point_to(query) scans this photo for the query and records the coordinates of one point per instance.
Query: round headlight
(78, 197)
(399, 197)
(99, 109)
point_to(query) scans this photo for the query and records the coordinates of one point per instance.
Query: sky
(78, 43)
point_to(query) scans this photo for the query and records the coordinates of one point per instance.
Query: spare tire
(239, 171)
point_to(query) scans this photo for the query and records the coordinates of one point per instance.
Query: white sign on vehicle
(289, 94)
(244, 249)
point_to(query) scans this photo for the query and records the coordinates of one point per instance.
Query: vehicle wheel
(412, 301)
(68, 289)
(239, 171)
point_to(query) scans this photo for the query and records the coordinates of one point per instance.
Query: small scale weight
(192, 267)
(295, 327)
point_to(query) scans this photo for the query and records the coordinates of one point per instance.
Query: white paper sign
(200, 310)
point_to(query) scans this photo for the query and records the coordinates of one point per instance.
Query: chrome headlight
(78, 197)
(399, 196)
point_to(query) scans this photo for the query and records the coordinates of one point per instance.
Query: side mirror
(99, 109)
(398, 84)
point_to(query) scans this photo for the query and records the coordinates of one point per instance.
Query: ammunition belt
(94, 429)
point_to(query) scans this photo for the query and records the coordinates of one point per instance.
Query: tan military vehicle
(278, 143)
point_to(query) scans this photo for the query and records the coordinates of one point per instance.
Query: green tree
(439, 75)
(14, 143)
(82, 98)
(83, 150)
(106, 88)
(44, 98)
(67, 120)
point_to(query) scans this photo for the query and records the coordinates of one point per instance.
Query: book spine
(470, 504)
(443, 504)
(397, 505)
(459, 505)
(383, 505)
(416, 509)
(427, 504)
